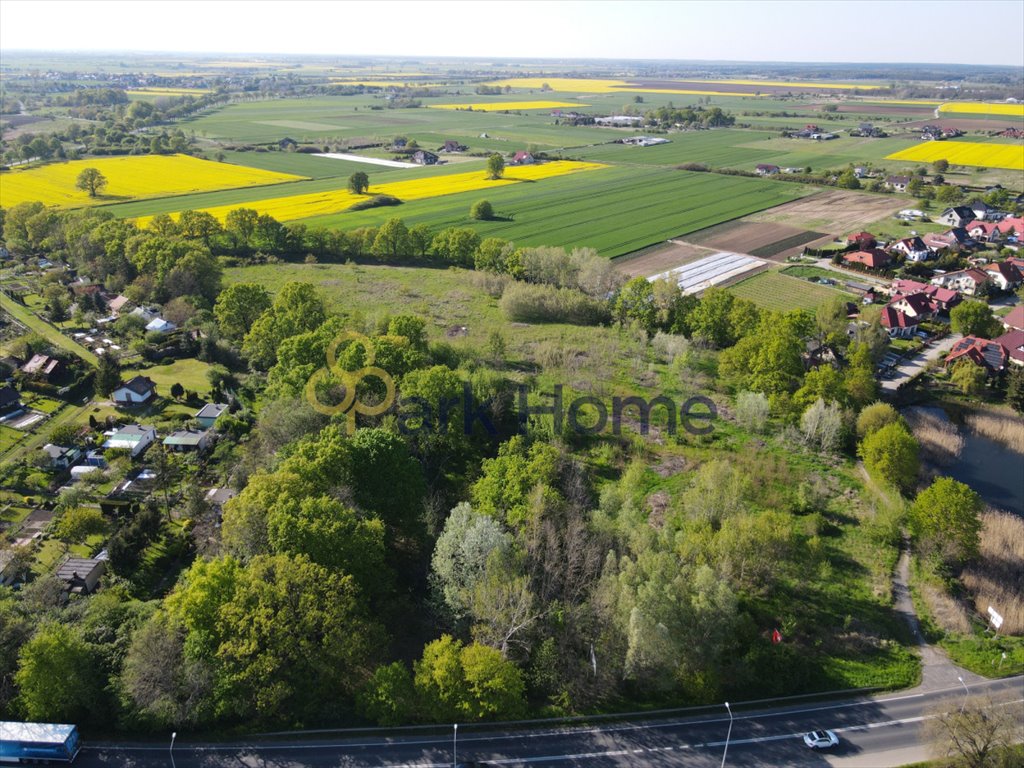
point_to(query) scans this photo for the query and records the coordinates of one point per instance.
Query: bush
(482, 210)
(377, 201)
(544, 304)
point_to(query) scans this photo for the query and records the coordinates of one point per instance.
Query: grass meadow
(776, 291)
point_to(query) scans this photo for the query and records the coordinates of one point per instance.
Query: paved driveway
(912, 366)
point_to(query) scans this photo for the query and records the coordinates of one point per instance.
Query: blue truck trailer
(37, 742)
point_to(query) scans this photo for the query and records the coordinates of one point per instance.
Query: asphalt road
(875, 732)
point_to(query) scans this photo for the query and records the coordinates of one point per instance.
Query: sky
(905, 31)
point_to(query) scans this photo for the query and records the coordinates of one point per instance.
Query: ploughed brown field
(660, 258)
(761, 239)
(834, 212)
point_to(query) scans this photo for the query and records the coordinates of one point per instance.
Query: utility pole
(728, 735)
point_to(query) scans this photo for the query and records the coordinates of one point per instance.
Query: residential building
(913, 248)
(523, 158)
(966, 281)
(207, 415)
(862, 240)
(1004, 274)
(980, 208)
(137, 390)
(1015, 320)
(874, 258)
(765, 169)
(422, 157)
(898, 324)
(957, 216)
(81, 575)
(1013, 343)
(135, 438)
(989, 354)
(897, 183)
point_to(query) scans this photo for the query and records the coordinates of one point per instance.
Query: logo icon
(349, 404)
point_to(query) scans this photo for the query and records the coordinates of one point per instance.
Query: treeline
(115, 127)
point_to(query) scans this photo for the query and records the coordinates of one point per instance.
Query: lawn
(190, 373)
(775, 291)
(9, 437)
(44, 329)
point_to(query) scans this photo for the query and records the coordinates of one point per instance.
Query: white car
(821, 739)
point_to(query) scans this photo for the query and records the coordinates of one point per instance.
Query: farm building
(422, 157)
(645, 141)
(523, 158)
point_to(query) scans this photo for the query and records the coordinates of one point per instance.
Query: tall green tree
(58, 677)
(108, 374)
(892, 454)
(947, 515)
(91, 180)
(239, 306)
(358, 183)
(974, 318)
(495, 166)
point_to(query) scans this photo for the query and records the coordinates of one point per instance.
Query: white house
(957, 216)
(135, 391)
(134, 437)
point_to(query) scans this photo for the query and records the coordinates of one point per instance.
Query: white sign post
(995, 618)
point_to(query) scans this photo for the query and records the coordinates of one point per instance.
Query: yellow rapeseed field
(500, 106)
(166, 90)
(129, 177)
(586, 85)
(981, 108)
(334, 201)
(1009, 156)
(787, 84)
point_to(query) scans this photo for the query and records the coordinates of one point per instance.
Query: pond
(989, 467)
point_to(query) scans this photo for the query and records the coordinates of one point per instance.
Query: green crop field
(772, 290)
(615, 210)
(718, 148)
(352, 117)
